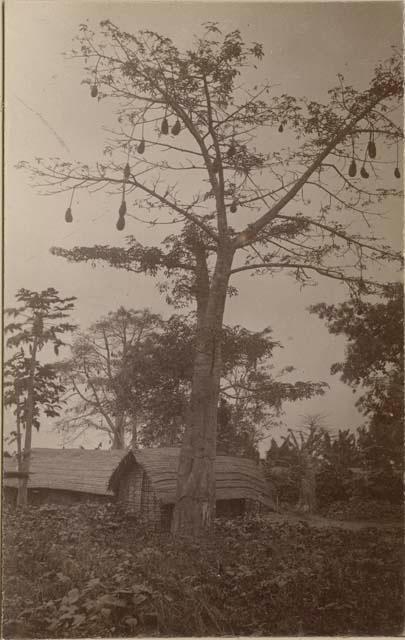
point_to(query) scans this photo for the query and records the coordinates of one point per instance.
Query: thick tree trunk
(195, 504)
(119, 433)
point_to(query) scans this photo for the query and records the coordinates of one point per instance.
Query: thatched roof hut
(144, 482)
(65, 475)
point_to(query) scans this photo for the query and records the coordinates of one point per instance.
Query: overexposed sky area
(50, 113)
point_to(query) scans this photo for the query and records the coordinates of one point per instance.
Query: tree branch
(250, 232)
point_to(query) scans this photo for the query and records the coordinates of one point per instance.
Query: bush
(87, 571)
(357, 509)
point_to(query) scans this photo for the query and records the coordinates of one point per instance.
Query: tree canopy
(374, 361)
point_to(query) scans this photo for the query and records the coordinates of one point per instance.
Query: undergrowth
(86, 571)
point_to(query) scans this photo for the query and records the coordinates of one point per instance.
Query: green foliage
(251, 395)
(361, 509)
(39, 315)
(350, 468)
(90, 572)
(47, 390)
(132, 370)
(374, 359)
(375, 347)
(40, 320)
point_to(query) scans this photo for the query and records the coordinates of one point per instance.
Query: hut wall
(60, 496)
(150, 506)
(230, 508)
(129, 494)
(54, 496)
(137, 497)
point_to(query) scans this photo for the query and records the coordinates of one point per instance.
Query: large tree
(197, 147)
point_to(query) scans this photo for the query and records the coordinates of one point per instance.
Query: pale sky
(49, 113)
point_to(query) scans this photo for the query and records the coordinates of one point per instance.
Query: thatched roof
(82, 470)
(235, 477)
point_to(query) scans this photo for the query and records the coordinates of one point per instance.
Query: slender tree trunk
(307, 499)
(22, 497)
(18, 433)
(134, 434)
(195, 504)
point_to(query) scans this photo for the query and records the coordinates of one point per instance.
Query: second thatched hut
(144, 482)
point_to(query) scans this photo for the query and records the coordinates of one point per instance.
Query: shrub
(87, 571)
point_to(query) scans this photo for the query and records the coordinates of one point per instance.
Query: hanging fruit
(397, 173)
(364, 172)
(68, 215)
(123, 209)
(372, 149)
(176, 128)
(281, 128)
(352, 169)
(127, 171)
(94, 91)
(231, 150)
(120, 223)
(141, 147)
(234, 206)
(164, 127)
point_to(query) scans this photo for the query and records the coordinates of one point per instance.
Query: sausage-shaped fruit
(123, 209)
(176, 128)
(164, 127)
(120, 223)
(364, 173)
(352, 169)
(372, 149)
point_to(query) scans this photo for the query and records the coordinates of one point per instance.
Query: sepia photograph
(203, 336)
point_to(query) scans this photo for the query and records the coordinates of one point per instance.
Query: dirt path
(319, 521)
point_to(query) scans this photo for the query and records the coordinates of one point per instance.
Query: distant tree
(301, 455)
(374, 356)
(251, 394)
(254, 392)
(374, 361)
(335, 480)
(100, 395)
(31, 387)
(190, 114)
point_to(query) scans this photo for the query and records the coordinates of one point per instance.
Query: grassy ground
(86, 571)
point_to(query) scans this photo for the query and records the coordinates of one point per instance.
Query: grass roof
(82, 470)
(236, 478)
